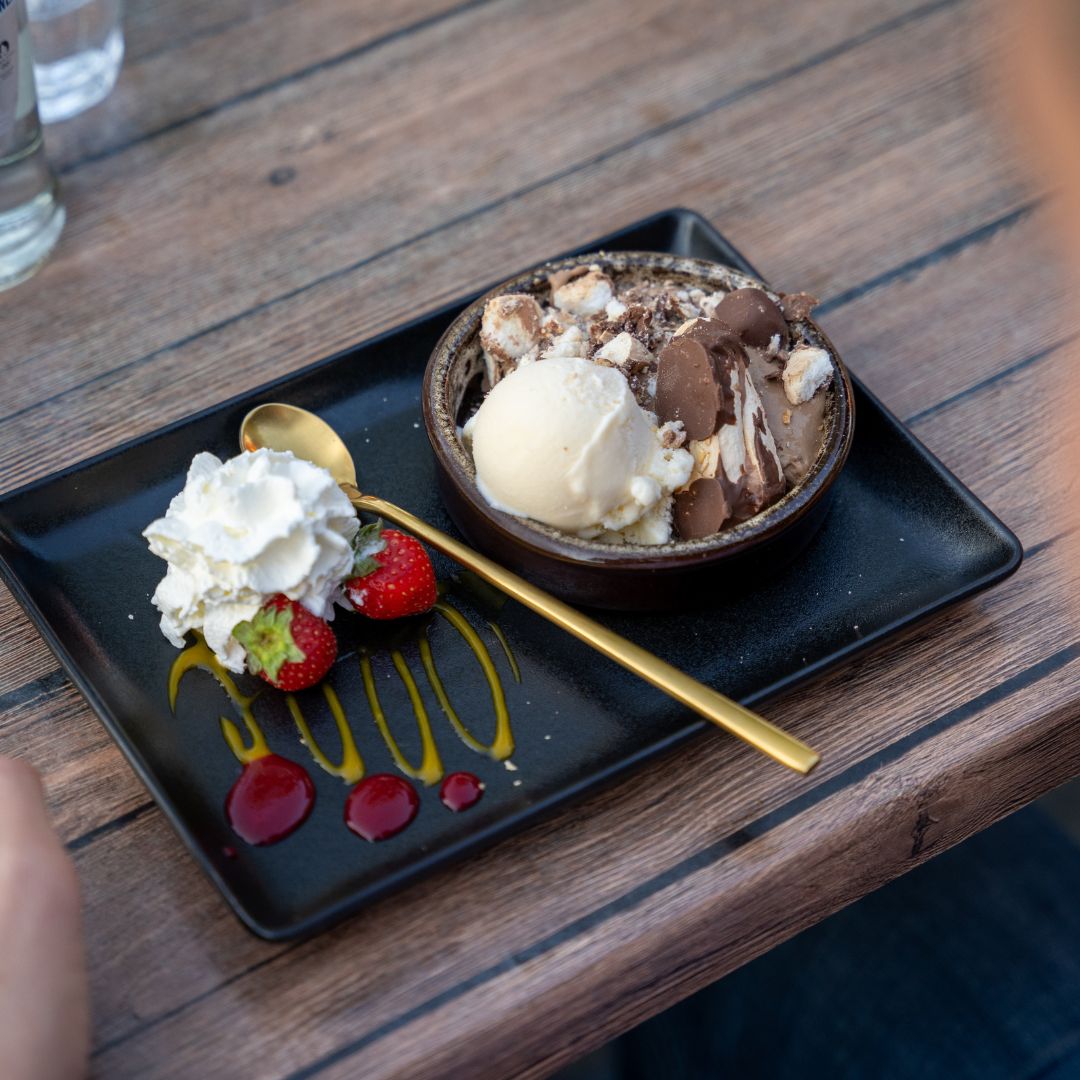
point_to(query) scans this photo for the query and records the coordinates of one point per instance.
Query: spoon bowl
(277, 426)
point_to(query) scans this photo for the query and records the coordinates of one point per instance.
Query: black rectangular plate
(902, 539)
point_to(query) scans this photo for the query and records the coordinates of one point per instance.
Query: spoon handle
(722, 711)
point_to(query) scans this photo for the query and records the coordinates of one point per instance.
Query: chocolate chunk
(701, 509)
(754, 316)
(713, 334)
(696, 376)
(798, 305)
(636, 320)
(599, 334)
(688, 388)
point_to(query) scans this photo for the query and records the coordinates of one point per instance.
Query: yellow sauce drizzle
(244, 754)
(201, 656)
(503, 744)
(351, 768)
(430, 770)
(496, 629)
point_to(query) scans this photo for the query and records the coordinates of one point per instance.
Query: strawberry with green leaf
(286, 645)
(392, 575)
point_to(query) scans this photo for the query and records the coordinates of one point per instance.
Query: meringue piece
(808, 369)
(509, 328)
(554, 323)
(571, 343)
(710, 303)
(654, 526)
(243, 530)
(586, 295)
(624, 349)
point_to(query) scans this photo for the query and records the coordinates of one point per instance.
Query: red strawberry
(393, 575)
(286, 645)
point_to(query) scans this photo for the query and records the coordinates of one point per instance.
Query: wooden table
(271, 182)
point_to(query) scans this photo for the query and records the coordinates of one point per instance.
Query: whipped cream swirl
(242, 530)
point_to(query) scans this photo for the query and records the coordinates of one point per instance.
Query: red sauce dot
(460, 790)
(229, 851)
(272, 797)
(381, 806)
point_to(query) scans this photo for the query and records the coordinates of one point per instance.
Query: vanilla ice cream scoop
(243, 530)
(564, 442)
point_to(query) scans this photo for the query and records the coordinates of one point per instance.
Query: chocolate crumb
(797, 306)
(636, 320)
(672, 436)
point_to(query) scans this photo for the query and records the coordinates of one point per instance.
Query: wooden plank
(24, 653)
(87, 782)
(278, 338)
(171, 48)
(994, 304)
(203, 197)
(25, 656)
(108, 807)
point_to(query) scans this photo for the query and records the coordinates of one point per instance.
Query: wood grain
(240, 209)
(347, 214)
(189, 61)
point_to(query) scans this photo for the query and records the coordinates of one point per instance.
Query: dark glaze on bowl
(623, 576)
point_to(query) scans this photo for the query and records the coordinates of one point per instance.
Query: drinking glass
(78, 50)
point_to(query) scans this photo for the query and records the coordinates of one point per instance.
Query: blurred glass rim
(52, 9)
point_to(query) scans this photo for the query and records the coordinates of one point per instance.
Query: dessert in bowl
(637, 430)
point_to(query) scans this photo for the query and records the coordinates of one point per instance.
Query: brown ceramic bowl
(624, 576)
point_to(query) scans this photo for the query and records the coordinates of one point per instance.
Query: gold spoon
(286, 427)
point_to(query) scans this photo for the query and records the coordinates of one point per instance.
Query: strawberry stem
(269, 641)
